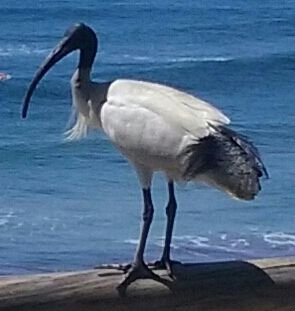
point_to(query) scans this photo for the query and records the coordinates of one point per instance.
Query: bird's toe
(136, 271)
(125, 267)
(165, 264)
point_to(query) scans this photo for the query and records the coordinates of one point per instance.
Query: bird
(158, 128)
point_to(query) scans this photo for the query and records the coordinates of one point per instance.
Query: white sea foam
(131, 241)
(279, 238)
(184, 59)
(3, 222)
(240, 243)
(4, 219)
(223, 236)
(195, 243)
(199, 241)
(20, 50)
(161, 59)
(229, 245)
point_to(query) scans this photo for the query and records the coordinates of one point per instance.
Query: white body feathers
(150, 123)
(153, 125)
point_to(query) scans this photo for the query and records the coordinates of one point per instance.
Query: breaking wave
(279, 239)
(229, 246)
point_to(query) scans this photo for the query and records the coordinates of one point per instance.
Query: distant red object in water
(4, 76)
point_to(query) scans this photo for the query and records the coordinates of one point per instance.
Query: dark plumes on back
(228, 160)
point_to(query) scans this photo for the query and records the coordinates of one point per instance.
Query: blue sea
(68, 206)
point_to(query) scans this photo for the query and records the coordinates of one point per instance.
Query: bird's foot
(138, 270)
(165, 263)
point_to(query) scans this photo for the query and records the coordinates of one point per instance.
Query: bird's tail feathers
(226, 160)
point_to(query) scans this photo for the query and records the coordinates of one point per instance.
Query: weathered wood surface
(262, 285)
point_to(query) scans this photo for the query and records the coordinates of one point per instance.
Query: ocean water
(74, 205)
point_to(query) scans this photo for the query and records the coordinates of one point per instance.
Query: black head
(78, 37)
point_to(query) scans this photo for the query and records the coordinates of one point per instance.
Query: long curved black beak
(70, 42)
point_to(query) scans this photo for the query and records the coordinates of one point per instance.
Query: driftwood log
(262, 285)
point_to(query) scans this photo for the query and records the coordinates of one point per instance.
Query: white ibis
(157, 128)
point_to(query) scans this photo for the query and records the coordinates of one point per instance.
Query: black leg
(147, 217)
(170, 213)
(165, 261)
(139, 269)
